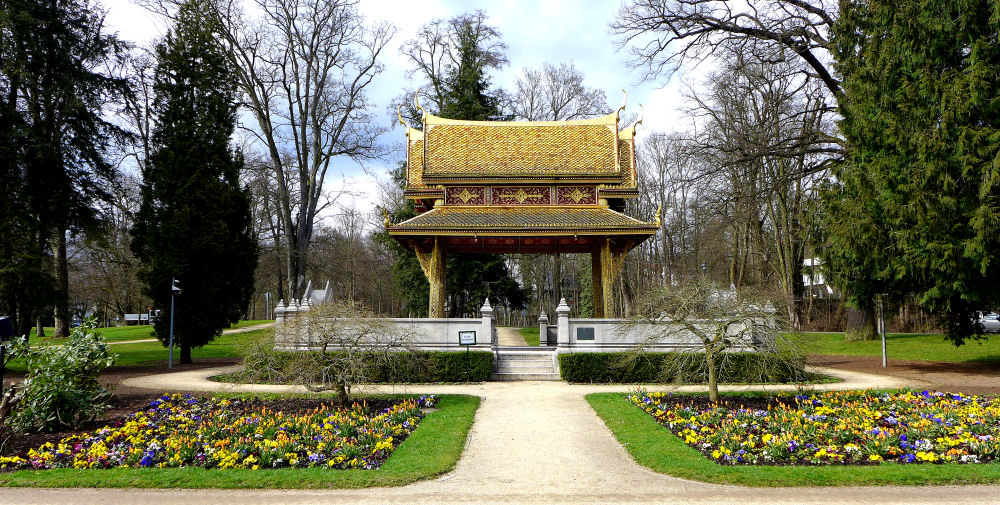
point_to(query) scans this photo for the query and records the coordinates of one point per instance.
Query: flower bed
(183, 430)
(850, 427)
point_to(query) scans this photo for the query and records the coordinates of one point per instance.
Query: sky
(535, 32)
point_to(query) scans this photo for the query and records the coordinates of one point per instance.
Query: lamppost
(174, 290)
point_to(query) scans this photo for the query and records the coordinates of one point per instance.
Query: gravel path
(508, 336)
(532, 442)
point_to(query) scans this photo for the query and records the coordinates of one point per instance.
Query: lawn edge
(454, 418)
(647, 442)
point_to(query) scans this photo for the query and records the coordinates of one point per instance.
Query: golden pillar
(598, 276)
(607, 260)
(602, 265)
(433, 265)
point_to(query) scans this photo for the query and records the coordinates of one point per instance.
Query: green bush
(62, 389)
(275, 367)
(471, 366)
(688, 368)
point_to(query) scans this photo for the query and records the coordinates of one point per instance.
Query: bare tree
(554, 93)
(665, 34)
(353, 344)
(304, 68)
(720, 322)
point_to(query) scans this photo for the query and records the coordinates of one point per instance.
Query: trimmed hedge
(627, 368)
(405, 367)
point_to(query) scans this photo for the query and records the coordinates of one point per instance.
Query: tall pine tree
(194, 223)
(916, 209)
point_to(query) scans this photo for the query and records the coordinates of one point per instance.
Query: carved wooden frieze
(466, 195)
(521, 195)
(576, 195)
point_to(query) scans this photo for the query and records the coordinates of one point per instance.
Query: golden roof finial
(659, 215)
(385, 218)
(642, 114)
(402, 121)
(624, 101)
(416, 101)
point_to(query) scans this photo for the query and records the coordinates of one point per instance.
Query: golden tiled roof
(523, 220)
(625, 153)
(415, 165)
(520, 149)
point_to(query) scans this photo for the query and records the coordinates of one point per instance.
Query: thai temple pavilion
(521, 187)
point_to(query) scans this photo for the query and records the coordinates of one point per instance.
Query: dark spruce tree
(194, 223)
(916, 207)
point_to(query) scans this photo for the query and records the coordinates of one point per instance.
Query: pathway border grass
(655, 447)
(530, 335)
(433, 448)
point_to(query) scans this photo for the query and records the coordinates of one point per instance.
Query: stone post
(292, 335)
(543, 327)
(486, 311)
(279, 325)
(279, 312)
(562, 322)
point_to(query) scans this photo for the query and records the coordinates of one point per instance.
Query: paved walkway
(510, 337)
(532, 442)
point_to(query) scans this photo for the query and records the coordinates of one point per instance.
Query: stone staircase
(525, 364)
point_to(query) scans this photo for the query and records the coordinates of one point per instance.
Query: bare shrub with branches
(719, 323)
(351, 346)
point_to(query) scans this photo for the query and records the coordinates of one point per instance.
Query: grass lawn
(432, 449)
(118, 334)
(155, 354)
(655, 447)
(909, 346)
(530, 335)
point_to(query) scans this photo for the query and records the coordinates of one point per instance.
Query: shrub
(264, 365)
(470, 366)
(62, 389)
(622, 367)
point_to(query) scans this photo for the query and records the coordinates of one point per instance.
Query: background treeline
(803, 144)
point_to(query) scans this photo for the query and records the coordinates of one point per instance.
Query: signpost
(467, 339)
(174, 290)
(881, 323)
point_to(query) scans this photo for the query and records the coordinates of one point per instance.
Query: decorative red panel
(576, 195)
(465, 195)
(521, 195)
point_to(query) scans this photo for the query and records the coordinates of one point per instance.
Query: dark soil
(969, 378)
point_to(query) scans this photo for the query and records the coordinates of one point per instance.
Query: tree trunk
(39, 329)
(185, 354)
(62, 286)
(860, 324)
(713, 377)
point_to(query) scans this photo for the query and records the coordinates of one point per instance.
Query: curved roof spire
(402, 121)
(642, 114)
(416, 101)
(624, 101)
